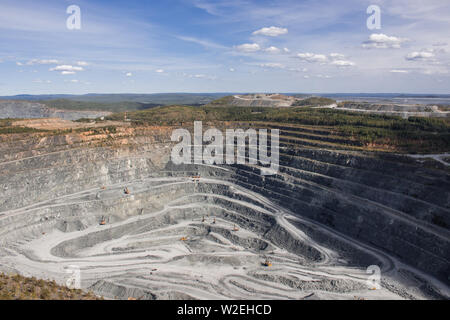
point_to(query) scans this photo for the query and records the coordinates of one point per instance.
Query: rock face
(25, 109)
(322, 220)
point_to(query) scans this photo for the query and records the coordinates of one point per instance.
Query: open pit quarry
(261, 100)
(137, 225)
(403, 110)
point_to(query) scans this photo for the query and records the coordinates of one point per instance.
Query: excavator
(267, 263)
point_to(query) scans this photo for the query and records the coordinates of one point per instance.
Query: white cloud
(337, 56)
(342, 63)
(272, 50)
(420, 55)
(338, 59)
(298, 69)
(204, 43)
(41, 81)
(335, 59)
(434, 71)
(248, 47)
(202, 76)
(33, 62)
(67, 69)
(382, 41)
(312, 57)
(440, 50)
(272, 65)
(271, 31)
(42, 61)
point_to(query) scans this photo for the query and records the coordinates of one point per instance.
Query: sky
(148, 46)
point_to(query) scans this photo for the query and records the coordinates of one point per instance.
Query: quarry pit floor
(196, 245)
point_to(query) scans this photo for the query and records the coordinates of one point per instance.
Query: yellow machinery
(267, 263)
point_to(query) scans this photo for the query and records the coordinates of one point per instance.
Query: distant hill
(72, 107)
(66, 104)
(32, 109)
(275, 100)
(157, 98)
(255, 100)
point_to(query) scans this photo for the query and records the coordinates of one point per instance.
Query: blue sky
(224, 46)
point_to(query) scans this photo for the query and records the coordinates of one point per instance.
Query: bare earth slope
(262, 100)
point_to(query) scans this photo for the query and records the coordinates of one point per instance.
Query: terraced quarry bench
(328, 214)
